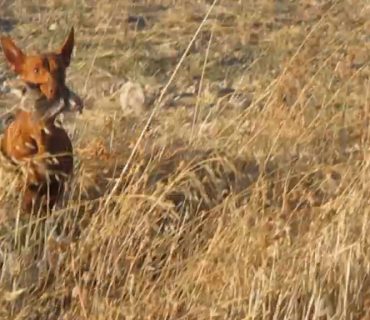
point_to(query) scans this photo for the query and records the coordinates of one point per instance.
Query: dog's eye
(36, 70)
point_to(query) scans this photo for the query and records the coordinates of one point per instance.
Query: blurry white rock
(132, 98)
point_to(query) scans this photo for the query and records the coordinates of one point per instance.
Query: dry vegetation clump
(246, 196)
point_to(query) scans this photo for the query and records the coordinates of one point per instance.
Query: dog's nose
(50, 91)
(53, 92)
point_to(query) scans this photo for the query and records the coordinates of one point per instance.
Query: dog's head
(47, 71)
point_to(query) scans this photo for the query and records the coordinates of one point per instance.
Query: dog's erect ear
(67, 48)
(13, 54)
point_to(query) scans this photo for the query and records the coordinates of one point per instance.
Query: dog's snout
(50, 89)
(51, 92)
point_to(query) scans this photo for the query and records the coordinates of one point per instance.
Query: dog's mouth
(72, 101)
(44, 91)
(33, 86)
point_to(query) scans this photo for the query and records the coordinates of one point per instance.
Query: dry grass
(246, 198)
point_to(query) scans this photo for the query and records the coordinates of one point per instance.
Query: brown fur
(32, 139)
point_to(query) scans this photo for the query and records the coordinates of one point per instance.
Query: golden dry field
(238, 190)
